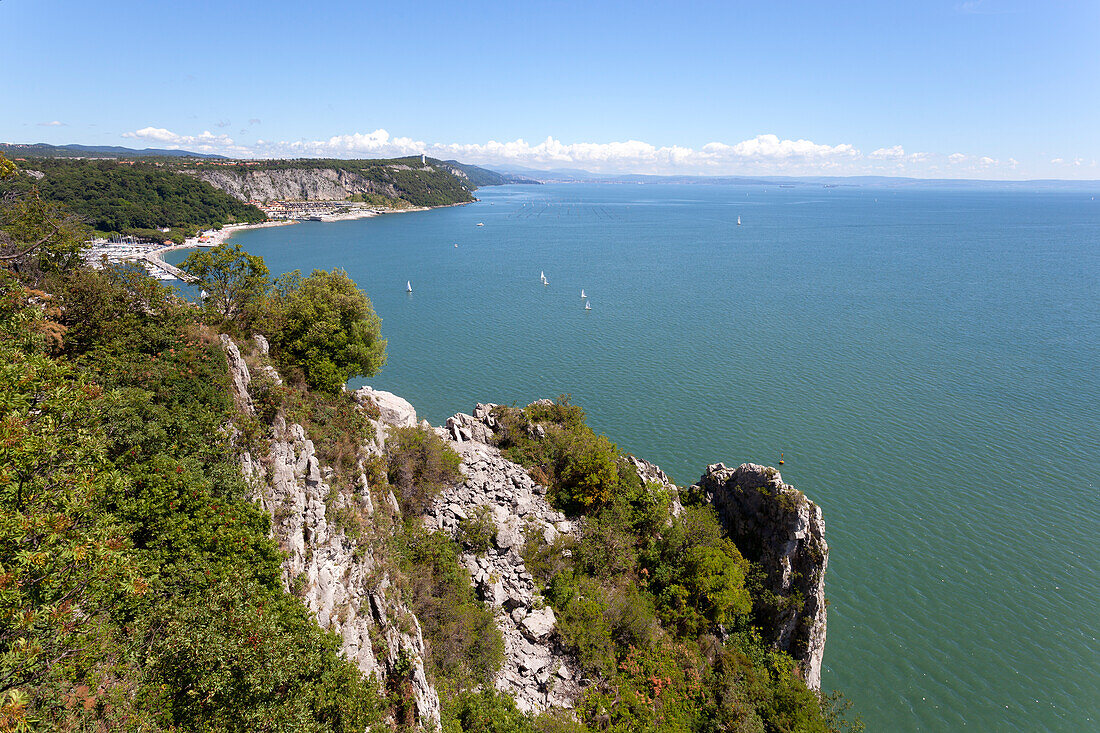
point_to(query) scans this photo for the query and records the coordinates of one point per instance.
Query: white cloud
(206, 141)
(766, 154)
(756, 154)
(53, 123)
(893, 153)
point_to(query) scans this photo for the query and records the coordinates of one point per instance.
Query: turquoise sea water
(928, 362)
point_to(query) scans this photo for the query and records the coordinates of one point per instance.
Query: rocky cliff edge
(776, 526)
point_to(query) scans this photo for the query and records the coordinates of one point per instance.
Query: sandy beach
(214, 237)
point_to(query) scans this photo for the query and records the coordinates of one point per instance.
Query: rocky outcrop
(338, 579)
(536, 670)
(294, 184)
(348, 590)
(775, 525)
(239, 374)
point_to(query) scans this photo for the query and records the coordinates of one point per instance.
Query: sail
(408, 286)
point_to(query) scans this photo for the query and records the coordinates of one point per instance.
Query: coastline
(214, 237)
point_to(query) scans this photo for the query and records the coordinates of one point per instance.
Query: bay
(925, 360)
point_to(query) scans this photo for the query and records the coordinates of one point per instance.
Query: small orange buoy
(780, 459)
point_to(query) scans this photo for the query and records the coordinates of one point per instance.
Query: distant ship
(481, 223)
(587, 306)
(738, 221)
(582, 293)
(408, 286)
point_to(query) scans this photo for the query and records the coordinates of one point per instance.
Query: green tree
(326, 328)
(60, 554)
(235, 281)
(7, 169)
(38, 237)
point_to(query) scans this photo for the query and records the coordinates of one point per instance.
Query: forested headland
(137, 198)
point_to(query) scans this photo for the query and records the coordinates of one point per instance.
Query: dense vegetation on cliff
(136, 198)
(139, 586)
(652, 597)
(140, 589)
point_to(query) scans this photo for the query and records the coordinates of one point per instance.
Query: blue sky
(986, 88)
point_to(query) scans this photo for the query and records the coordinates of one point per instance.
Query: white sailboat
(408, 286)
(582, 293)
(739, 221)
(587, 306)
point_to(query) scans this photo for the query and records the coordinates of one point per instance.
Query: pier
(170, 269)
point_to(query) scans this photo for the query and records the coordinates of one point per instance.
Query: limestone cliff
(429, 183)
(775, 525)
(294, 184)
(339, 580)
(347, 588)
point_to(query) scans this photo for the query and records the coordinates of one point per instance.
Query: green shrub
(476, 532)
(156, 590)
(696, 575)
(419, 465)
(485, 711)
(464, 645)
(552, 440)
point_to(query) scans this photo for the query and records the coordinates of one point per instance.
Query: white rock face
(295, 184)
(536, 670)
(261, 343)
(238, 372)
(395, 411)
(338, 584)
(348, 593)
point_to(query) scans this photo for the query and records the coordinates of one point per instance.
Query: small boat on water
(456, 245)
(481, 223)
(582, 293)
(408, 286)
(739, 221)
(587, 306)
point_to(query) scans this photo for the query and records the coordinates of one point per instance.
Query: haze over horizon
(997, 89)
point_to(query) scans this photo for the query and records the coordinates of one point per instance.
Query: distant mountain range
(514, 174)
(576, 175)
(486, 177)
(44, 150)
